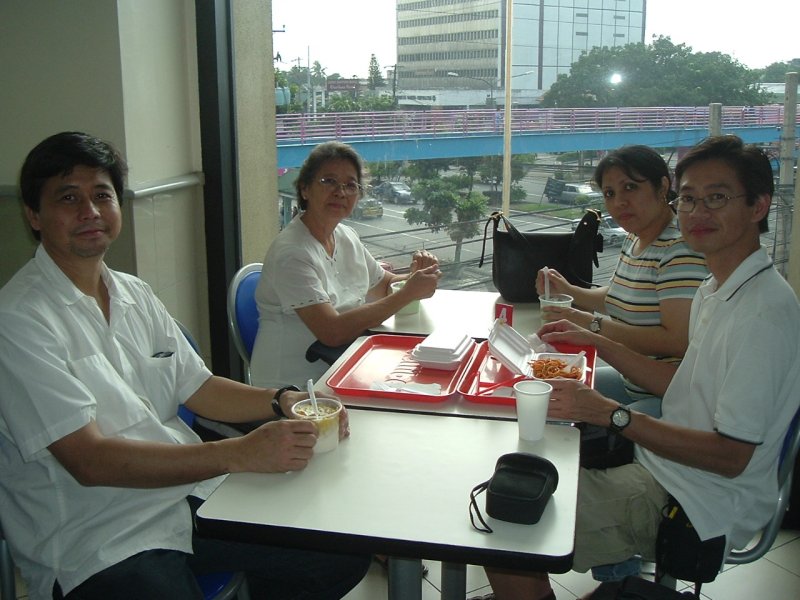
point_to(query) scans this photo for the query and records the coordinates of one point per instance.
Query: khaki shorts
(618, 515)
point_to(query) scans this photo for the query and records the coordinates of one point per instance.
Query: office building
(460, 44)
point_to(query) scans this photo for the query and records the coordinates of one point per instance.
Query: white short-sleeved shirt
(739, 377)
(62, 365)
(298, 272)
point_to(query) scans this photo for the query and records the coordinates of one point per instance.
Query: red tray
(388, 358)
(485, 371)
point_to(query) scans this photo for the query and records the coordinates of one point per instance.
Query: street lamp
(488, 83)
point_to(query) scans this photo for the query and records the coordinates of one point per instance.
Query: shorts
(619, 511)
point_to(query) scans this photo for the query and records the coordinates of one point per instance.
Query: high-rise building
(460, 44)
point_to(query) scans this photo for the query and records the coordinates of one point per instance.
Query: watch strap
(276, 400)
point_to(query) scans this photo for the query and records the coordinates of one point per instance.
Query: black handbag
(518, 257)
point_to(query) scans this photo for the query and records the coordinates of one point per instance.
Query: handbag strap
(475, 512)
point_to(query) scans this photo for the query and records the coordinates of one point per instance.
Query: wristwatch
(620, 418)
(276, 400)
(596, 323)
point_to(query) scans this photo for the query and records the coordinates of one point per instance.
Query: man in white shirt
(99, 477)
(726, 408)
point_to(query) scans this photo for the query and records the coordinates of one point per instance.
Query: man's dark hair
(59, 155)
(640, 163)
(320, 155)
(750, 163)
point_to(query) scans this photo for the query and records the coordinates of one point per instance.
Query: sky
(342, 34)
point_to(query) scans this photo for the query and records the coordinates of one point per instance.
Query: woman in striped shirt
(646, 304)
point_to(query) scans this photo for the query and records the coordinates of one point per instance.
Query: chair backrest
(8, 584)
(791, 445)
(243, 311)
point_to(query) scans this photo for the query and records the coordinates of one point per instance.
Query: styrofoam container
(566, 358)
(508, 346)
(443, 346)
(448, 364)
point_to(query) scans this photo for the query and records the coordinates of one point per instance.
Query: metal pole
(787, 167)
(506, 205)
(788, 134)
(715, 118)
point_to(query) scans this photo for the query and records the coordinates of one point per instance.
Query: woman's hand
(573, 315)
(422, 283)
(558, 285)
(567, 332)
(422, 259)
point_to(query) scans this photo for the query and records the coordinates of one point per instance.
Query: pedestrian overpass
(415, 135)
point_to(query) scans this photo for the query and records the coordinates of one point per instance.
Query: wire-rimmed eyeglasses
(687, 204)
(349, 188)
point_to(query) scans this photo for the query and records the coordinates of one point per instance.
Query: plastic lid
(508, 346)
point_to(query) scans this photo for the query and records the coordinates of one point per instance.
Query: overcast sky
(342, 34)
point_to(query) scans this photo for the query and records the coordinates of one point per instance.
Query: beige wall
(126, 71)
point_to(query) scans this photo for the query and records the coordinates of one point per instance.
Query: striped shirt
(667, 269)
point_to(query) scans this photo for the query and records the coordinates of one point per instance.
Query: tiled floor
(774, 577)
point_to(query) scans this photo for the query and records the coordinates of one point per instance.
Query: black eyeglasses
(351, 188)
(687, 204)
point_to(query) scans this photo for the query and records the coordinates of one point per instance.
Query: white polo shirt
(740, 377)
(62, 364)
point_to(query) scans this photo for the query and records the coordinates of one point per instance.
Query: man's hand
(275, 447)
(567, 332)
(572, 400)
(422, 259)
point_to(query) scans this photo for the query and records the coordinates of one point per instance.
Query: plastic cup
(410, 308)
(532, 399)
(560, 300)
(327, 421)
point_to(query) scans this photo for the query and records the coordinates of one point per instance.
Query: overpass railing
(383, 125)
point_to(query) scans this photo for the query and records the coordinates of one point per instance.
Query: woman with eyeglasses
(646, 304)
(319, 282)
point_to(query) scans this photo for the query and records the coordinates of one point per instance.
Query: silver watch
(596, 323)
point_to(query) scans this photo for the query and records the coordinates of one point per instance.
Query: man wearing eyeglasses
(726, 408)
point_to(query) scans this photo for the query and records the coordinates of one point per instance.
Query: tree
(776, 72)
(440, 200)
(318, 76)
(659, 74)
(375, 79)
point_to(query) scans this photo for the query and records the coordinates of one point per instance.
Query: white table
(400, 486)
(463, 311)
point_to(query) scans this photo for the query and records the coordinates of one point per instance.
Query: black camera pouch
(517, 492)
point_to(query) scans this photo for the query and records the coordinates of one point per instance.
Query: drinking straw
(546, 283)
(312, 396)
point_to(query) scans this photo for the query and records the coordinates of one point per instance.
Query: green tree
(659, 74)
(374, 79)
(384, 170)
(440, 201)
(318, 76)
(776, 72)
(422, 170)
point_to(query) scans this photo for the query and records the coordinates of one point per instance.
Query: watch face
(594, 326)
(620, 417)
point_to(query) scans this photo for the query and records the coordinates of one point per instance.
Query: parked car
(613, 234)
(368, 208)
(394, 191)
(567, 193)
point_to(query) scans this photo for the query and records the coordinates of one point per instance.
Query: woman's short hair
(321, 154)
(640, 163)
